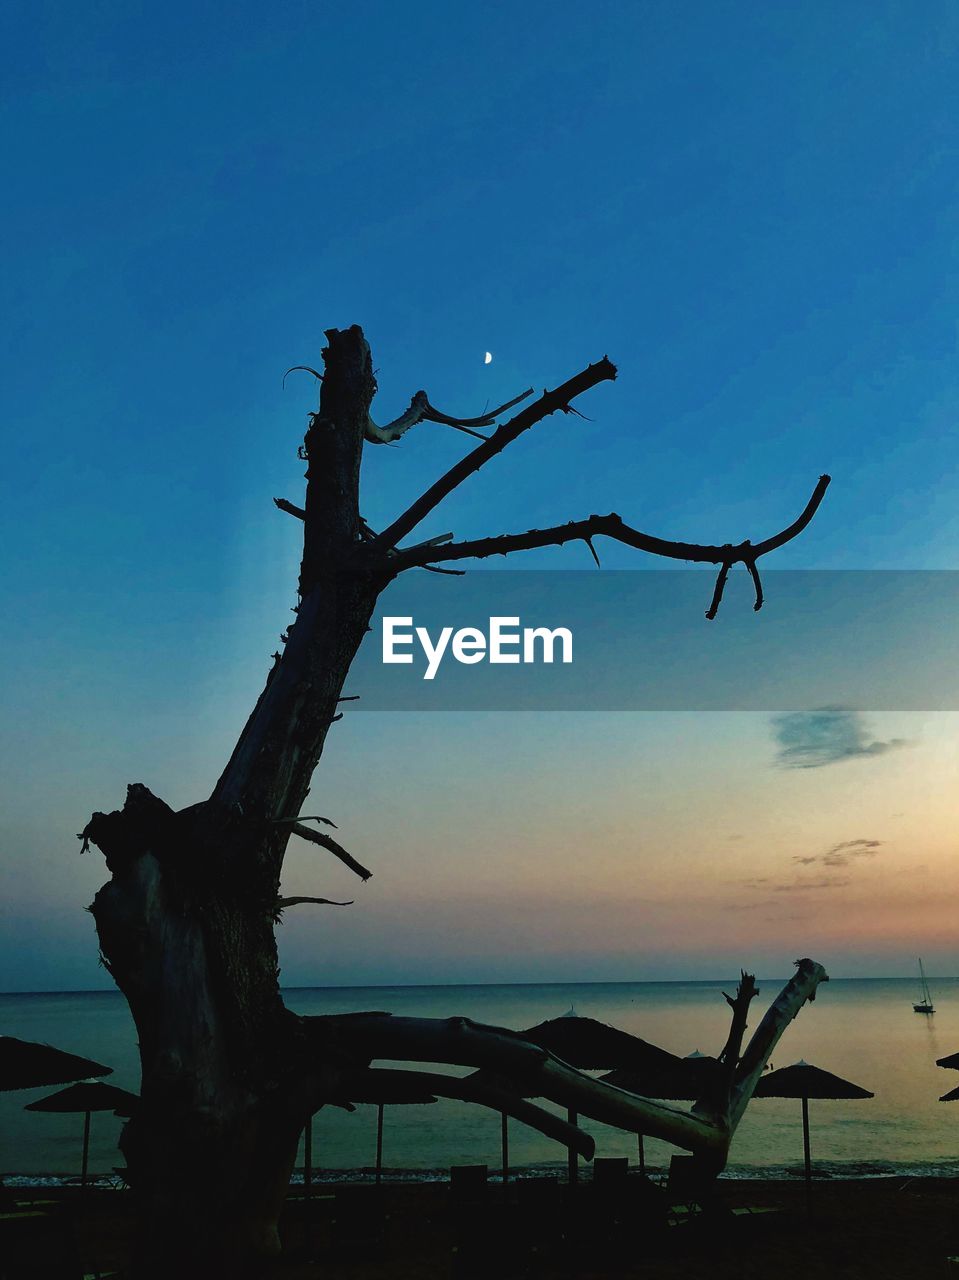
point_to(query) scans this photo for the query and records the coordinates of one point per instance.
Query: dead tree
(186, 922)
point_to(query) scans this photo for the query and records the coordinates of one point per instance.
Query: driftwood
(187, 921)
(706, 1130)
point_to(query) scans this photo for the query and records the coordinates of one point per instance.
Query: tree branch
(421, 410)
(328, 843)
(549, 402)
(399, 426)
(484, 420)
(613, 526)
(468, 1089)
(706, 1130)
(800, 988)
(282, 903)
(718, 590)
(432, 542)
(729, 1057)
(536, 1071)
(290, 508)
(308, 817)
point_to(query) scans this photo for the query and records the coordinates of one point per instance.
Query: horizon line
(590, 982)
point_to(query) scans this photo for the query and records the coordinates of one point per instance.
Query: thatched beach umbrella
(685, 1081)
(804, 1081)
(591, 1045)
(27, 1065)
(87, 1097)
(596, 1046)
(382, 1092)
(951, 1061)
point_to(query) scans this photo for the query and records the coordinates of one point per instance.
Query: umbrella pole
(504, 1138)
(808, 1163)
(573, 1164)
(308, 1183)
(308, 1158)
(379, 1143)
(86, 1151)
(642, 1156)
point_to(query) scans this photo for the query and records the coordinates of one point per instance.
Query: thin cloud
(831, 735)
(806, 886)
(857, 847)
(842, 854)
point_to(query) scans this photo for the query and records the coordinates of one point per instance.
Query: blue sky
(750, 208)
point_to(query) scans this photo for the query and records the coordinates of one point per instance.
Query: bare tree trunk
(186, 923)
(212, 1146)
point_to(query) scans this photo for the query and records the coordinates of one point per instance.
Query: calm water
(864, 1030)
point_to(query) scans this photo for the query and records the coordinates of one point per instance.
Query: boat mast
(923, 984)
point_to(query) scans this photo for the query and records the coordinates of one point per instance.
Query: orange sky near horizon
(565, 847)
(649, 836)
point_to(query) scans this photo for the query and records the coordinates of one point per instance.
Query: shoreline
(846, 1172)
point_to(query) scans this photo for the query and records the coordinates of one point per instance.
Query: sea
(862, 1029)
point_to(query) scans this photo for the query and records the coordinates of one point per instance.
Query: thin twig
(718, 590)
(757, 583)
(306, 369)
(484, 420)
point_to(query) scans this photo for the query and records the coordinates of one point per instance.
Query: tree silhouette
(186, 922)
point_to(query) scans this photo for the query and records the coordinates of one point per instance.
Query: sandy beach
(889, 1227)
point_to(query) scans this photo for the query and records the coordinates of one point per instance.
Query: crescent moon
(488, 358)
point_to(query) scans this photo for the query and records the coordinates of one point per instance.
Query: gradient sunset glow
(751, 211)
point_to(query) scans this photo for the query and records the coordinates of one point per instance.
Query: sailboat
(924, 1004)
